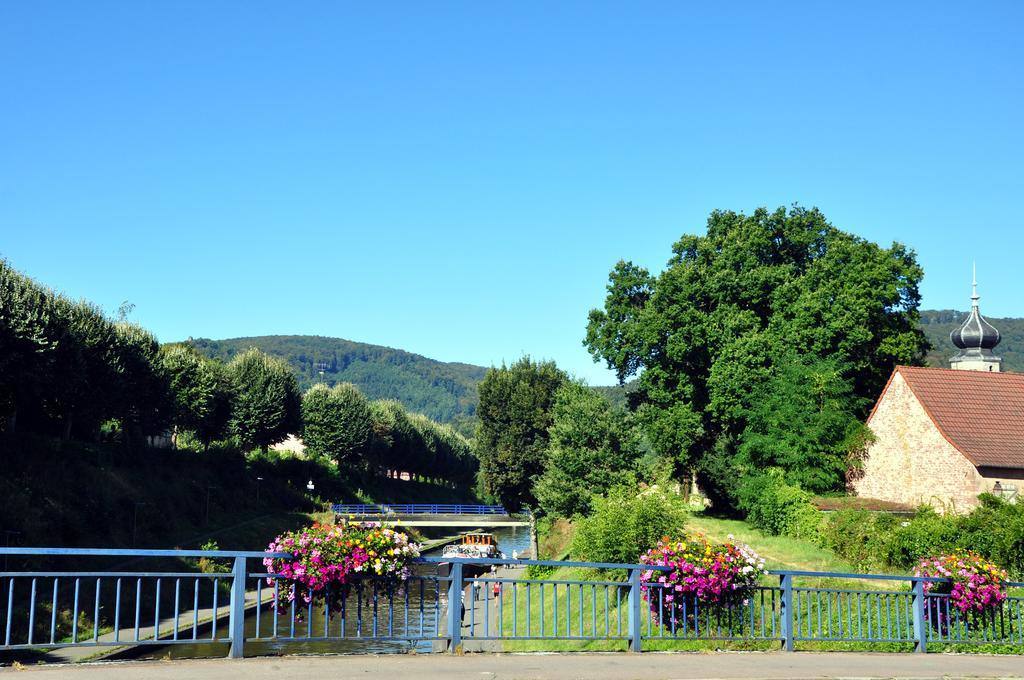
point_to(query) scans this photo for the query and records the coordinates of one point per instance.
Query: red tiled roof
(981, 414)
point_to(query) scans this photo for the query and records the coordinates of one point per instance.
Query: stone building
(943, 436)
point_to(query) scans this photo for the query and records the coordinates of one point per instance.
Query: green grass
(779, 552)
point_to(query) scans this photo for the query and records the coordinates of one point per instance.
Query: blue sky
(456, 179)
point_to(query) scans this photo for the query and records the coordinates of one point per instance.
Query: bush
(626, 523)
(994, 530)
(778, 508)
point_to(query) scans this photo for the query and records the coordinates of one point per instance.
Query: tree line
(69, 370)
(760, 346)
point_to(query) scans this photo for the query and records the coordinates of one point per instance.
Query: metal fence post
(635, 619)
(236, 622)
(786, 613)
(455, 608)
(920, 629)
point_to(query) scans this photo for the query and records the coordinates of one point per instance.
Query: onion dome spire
(975, 338)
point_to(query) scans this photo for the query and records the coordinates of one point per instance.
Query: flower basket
(973, 588)
(327, 558)
(702, 576)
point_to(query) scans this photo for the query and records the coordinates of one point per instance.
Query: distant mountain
(445, 392)
(937, 325)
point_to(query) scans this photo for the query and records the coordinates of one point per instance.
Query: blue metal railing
(50, 609)
(417, 509)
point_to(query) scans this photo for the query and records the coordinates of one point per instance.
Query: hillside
(445, 392)
(937, 325)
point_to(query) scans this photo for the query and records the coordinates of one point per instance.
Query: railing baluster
(117, 610)
(542, 609)
(74, 613)
(10, 608)
(515, 611)
(32, 612)
(138, 604)
(156, 613)
(177, 606)
(96, 614)
(391, 612)
(216, 593)
(53, 612)
(291, 624)
(375, 608)
(277, 606)
(344, 604)
(195, 608)
(359, 610)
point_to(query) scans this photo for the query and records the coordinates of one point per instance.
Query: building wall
(911, 462)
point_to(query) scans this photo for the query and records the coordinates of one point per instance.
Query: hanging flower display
(327, 557)
(710, 574)
(974, 585)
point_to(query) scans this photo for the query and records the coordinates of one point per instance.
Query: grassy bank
(593, 613)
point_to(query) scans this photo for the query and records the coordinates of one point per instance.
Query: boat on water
(477, 545)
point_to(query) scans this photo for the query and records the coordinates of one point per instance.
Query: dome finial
(974, 284)
(976, 337)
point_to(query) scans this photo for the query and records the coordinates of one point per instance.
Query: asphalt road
(589, 666)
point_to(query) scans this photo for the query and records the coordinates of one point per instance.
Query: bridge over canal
(433, 514)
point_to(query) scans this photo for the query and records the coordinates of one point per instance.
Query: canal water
(415, 609)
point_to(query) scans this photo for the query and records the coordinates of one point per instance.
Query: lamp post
(258, 480)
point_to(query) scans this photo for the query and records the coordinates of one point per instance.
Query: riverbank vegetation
(752, 360)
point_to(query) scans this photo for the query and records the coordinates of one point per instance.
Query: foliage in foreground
(626, 523)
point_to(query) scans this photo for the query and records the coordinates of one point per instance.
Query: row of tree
(762, 344)
(68, 369)
(340, 423)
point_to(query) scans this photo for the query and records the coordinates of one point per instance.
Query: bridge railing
(360, 509)
(234, 605)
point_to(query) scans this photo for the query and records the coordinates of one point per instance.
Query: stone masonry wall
(911, 462)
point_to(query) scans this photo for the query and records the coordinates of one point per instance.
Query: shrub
(778, 508)
(626, 523)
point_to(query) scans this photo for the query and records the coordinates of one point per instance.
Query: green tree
(592, 448)
(142, 399)
(512, 435)
(337, 423)
(708, 329)
(202, 392)
(25, 347)
(805, 421)
(268, 405)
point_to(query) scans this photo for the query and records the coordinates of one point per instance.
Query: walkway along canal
(793, 609)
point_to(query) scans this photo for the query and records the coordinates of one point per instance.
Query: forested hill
(937, 325)
(445, 392)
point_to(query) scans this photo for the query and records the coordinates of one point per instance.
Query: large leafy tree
(268, 405)
(337, 422)
(512, 435)
(711, 326)
(592, 448)
(202, 392)
(142, 399)
(26, 348)
(804, 420)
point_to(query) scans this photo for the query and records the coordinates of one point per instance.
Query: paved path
(612, 666)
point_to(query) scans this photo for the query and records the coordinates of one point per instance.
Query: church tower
(976, 338)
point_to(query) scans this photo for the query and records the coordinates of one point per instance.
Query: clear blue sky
(456, 179)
